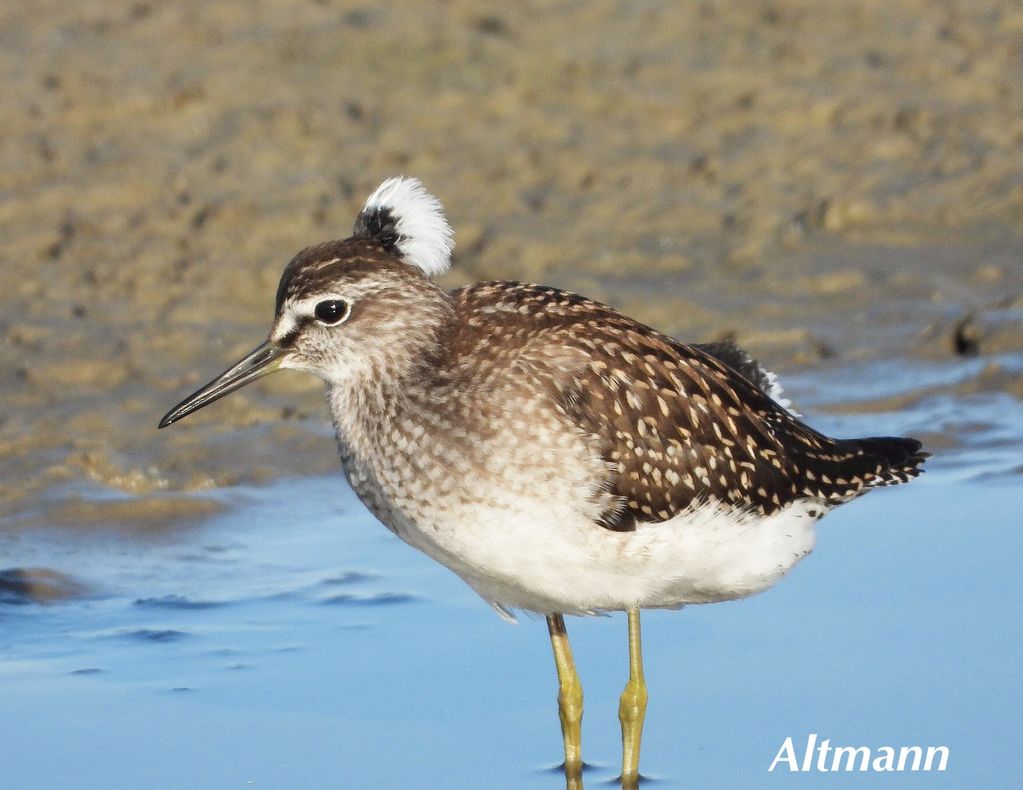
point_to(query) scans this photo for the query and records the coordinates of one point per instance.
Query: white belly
(549, 561)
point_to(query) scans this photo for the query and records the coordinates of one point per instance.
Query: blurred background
(838, 186)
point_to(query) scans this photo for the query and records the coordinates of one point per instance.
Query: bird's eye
(331, 311)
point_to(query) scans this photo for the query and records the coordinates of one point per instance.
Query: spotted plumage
(676, 424)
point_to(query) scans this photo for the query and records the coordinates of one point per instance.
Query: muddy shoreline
(827, 185)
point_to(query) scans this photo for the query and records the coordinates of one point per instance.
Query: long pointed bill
(260, 362)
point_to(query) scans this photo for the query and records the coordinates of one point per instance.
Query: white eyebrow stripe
(285, 325)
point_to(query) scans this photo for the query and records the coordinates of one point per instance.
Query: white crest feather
(775, 392)
(425, 238)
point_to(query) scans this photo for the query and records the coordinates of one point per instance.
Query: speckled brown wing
(676, 424)
(681, 427)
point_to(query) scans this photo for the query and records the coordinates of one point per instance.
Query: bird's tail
(837, 470)
(897, 460)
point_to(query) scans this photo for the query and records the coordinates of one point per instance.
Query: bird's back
(677, 424)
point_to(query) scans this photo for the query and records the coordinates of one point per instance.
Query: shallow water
(290, 641)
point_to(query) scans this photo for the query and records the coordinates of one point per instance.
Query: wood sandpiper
(557, 455)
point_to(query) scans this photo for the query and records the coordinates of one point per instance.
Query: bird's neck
(380, 422)
(394, 384)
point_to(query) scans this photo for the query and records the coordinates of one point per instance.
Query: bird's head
(351, 310)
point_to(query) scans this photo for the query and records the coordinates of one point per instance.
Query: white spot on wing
(425, 238)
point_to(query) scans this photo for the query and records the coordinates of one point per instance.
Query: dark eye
(331, 311)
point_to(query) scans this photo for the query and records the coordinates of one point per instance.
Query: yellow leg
(570, 699)
(632, 707)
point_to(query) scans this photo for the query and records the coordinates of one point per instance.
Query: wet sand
(833, 180)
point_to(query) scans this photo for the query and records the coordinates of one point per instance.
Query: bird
(559, 456)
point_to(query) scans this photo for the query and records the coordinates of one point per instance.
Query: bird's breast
(429, 473)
